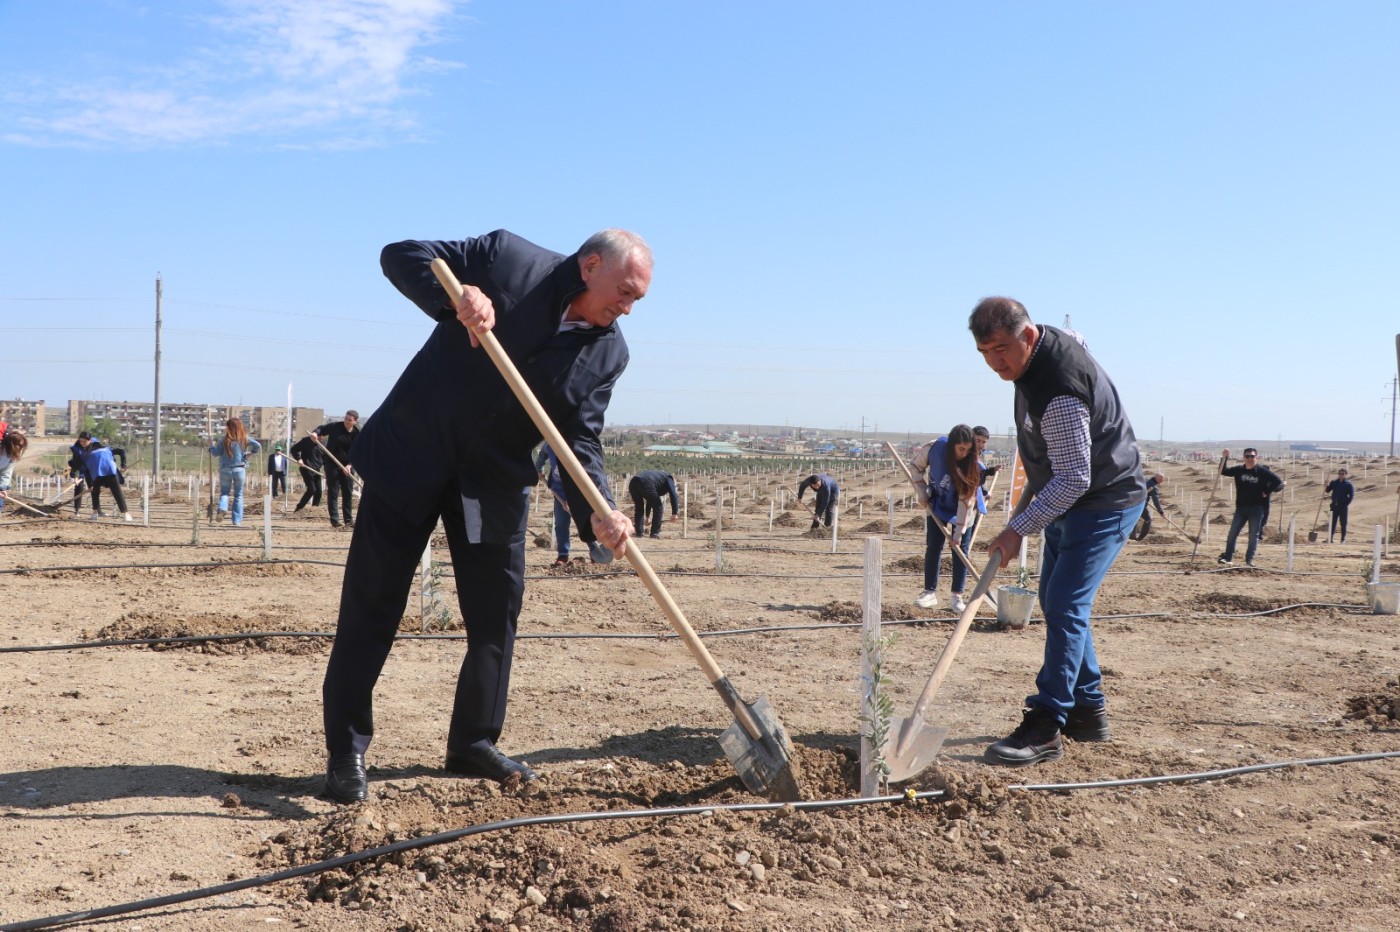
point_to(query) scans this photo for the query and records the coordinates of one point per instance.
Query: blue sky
(1207, 190)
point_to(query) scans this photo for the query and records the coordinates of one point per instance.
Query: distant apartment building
(27, 417)
(136, 419)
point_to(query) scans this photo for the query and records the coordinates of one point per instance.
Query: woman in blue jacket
(953, 478)
(233, 452)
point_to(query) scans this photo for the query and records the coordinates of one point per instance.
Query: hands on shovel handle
(757, 744)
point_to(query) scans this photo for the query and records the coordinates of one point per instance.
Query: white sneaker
(927, 599)
(126, 515)
(958, 604)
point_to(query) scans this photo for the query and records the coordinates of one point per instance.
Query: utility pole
(155, 457)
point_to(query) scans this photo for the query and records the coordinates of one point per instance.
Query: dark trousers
(1339, 516)
(279, 480)
(79, 491)
(644, 503)
(384, 553)
(313, 488)
(111, 483)
(338, 494)
(933, 555)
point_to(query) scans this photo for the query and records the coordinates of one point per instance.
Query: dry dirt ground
(140, 771)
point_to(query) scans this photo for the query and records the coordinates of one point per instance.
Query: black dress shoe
(346, 781)
(488, 763)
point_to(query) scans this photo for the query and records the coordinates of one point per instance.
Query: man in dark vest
(451, 441)
(1082, 464)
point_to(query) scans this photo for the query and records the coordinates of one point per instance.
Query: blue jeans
(561, 530)
(1079, 548)
(933, 555)
(1254, 514)
(231, 487)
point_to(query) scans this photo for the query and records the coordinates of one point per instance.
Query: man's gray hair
(992, 315)
(615, 244)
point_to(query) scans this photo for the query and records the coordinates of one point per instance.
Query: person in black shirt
(1342, 492)
(646, 489)
(339, 439)
(1253, 486)
(309, 459)
(1153, 501)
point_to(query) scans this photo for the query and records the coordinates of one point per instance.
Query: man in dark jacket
(451, 441)
(1342, 492)
(339, 437)
(309, 458)
(1254, 484)
(828, 494)
(1154, 500)
(646, 489)
(1082, 464)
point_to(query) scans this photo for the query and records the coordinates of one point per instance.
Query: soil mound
(142, 625)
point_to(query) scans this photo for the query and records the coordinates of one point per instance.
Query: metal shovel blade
(919, 749)
(765, 763)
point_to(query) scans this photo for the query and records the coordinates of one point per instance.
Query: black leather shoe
(1086, 724)
(346, 781)
(488, 763)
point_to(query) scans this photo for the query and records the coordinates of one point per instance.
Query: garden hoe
(756, 744)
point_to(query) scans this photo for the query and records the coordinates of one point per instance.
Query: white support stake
(1376, 556)
(267, 527)
(427, 598)
(146, 501)
(869, 662)
(1292, 525)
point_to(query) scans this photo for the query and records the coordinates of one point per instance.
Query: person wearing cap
(452, 442)
(277, 469)
(338, 437)
(1254, 484)
(1083, 467)
(1342, 492)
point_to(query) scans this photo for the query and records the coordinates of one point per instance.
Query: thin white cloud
(300, 73)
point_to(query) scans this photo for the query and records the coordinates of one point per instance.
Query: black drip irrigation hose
(908, 797)
(620, 636)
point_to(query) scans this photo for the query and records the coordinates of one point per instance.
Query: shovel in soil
(756, 744)
(912, 744)
(27, 507)
(1312, 535)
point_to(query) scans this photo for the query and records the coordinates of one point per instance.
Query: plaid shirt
(1065, 428)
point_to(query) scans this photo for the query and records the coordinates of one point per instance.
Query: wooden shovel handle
(590, 490)
(317, 440)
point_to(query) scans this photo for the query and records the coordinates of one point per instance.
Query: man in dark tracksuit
(76, 471)
(646, 489)
(339, 440)
(828, 493)
(451, 441)
(1153, 501)
(1342, 492)
(1082, 464)
(309, 458)
(1254, 484)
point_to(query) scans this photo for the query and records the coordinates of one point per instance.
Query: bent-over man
(451, 441)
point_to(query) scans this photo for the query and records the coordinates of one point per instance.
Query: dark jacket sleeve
(675, 497)
(408, 266)
(120, 454)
